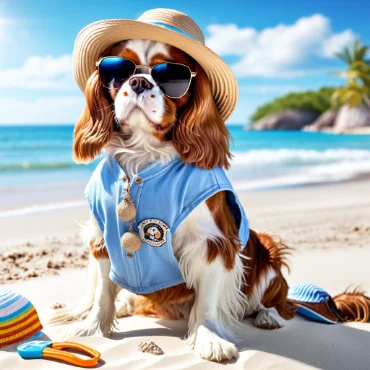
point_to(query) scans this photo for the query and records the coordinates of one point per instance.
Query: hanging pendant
(131, 241)
(126, 210)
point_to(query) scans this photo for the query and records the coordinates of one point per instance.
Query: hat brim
(98, 36)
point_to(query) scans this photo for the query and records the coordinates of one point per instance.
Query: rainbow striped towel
(18, 318)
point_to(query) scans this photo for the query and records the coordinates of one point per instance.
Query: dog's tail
(353, 305)
(84, 307)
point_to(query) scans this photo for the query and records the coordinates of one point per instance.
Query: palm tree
(357, 89)
(357, 54)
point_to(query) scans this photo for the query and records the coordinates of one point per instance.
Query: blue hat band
(172, 28)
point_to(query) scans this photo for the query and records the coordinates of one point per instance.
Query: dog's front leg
(101, 318)
(218, 303)
(207, 331)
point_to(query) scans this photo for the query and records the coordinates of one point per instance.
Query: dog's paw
(77, 329)
(81, 329)
(125, 305)
(211, 347)
(85, 328)
(269, 318)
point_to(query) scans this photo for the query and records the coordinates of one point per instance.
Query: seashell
(131, 241)
(150, 347)
(57, 305)
(126, 210)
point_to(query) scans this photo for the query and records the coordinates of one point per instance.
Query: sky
(273, 47)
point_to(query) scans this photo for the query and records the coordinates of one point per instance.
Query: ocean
(34, 155)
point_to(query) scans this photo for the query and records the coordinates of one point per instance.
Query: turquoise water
(43, 154)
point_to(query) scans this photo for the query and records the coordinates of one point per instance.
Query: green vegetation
(319, 101)
(357, 89)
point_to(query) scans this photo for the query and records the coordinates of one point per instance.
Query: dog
(223, 281)
(148, 129)
(153, 233)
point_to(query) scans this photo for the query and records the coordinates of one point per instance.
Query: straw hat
(163, 25)
(19, 320)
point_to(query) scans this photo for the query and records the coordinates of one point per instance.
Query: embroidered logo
(153, 232)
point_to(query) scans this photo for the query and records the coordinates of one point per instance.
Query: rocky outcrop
(353, 118)
(325, 121)
(344, 120)
(289, 119)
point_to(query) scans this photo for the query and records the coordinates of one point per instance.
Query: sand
(328, 225)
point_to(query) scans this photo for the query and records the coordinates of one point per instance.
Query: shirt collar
(146, 173)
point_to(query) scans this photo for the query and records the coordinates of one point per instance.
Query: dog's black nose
(140, 84)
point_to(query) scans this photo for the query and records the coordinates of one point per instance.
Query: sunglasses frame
(192, 74)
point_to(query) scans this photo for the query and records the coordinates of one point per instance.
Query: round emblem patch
(153, 232)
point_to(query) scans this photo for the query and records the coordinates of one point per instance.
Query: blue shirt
(164, 194)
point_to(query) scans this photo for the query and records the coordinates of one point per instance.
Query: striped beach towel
(18, 318)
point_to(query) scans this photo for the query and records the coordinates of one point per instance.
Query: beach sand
(41, 256)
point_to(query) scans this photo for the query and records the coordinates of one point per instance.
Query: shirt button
(129, 255)
(138, 180)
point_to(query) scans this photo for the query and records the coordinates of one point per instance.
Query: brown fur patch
(169, 303)
(278, 251)
(99, 250)
(158, 59)
(263, 252)
(200, 136)
(95, 126)
(131, 55)
(276, 296)
(354, 306)
(228, 247)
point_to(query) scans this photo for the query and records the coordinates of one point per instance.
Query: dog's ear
(95, 126)
(200, 136)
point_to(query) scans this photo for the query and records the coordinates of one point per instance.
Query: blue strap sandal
(315, 303)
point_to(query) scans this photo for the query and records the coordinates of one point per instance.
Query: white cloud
(278, 51)
(337, 42)
(229, 39)
(40, 72)
(50, 110)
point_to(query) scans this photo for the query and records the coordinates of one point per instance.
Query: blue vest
(164, 194)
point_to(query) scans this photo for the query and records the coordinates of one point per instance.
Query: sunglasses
(173, 79)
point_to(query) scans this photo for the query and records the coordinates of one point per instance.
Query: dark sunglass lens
(173, 79)
(115, 70)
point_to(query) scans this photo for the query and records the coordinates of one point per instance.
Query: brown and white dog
(222, 283)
